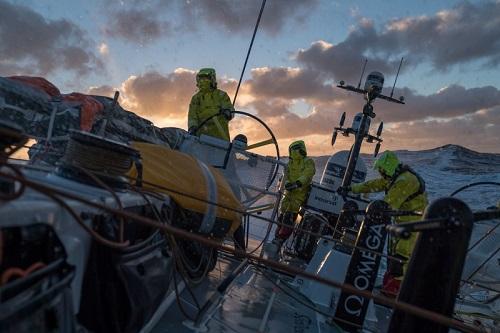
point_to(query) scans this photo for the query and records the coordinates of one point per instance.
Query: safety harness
(405, 168)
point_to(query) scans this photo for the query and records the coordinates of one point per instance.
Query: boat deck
(259, 300)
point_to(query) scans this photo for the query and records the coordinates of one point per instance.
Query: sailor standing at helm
(210, 111)
(209, 102)
(404, 190)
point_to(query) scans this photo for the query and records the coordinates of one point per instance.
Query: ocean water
(445, 170)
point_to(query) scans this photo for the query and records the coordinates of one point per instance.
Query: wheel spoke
(260, 144)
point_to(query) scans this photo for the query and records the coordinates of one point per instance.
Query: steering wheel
(249, 198)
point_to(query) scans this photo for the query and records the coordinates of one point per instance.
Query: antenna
(397, 74)
(363, 72)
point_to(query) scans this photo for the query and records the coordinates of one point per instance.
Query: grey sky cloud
(452, 113)
(164, 95)
(240, 16)
(104, 90)
(296, 83)
(449, 102)
(477, 131)
(286, 124)
(437, 39)
(138, 24)
(442, 116)
(289, 83)
(145, 22)
(158, 95)
(31, 44)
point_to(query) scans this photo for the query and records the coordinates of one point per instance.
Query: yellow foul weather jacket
(301, 168)
(403, 192)
(205, 104)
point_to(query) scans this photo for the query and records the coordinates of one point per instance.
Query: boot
(273, 249)
(390, 286)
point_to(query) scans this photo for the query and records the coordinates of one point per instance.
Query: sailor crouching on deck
(404, 190)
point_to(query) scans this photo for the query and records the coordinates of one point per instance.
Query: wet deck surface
(244, 307)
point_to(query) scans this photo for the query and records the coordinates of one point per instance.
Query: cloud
(298, 83)
(138, 23)
(448, 102)
(478, 131)
(454, 114)
(145, 22)
(103, 49)
(286, 82)
(276, 91)
(31, 44)
(240, 16)
(438, 39)
(104, 90)
(158, 95)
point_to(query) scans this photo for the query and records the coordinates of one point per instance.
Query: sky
(150, 52)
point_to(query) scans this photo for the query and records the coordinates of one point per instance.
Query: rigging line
(320, 236)
(175, 247)
(49, 192)
(178, 296)
(472, 185)
(190, 196)
(406, 307)
(115, 196)
(483, 237)
(483, 263)
(249, 50)
(480, 284)
(94, 234)
(271, 222)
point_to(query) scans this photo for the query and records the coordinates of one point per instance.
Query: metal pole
(249, 49)
(353, 157)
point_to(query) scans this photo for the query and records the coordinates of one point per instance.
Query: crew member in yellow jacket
(298, 177)
(404, 190)
(209, 103)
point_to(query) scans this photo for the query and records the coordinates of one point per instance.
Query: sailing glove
(227, 113)
(293, 185)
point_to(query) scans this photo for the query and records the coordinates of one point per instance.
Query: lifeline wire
(178, 254)
(420, 312)
(480, 284)
(320, 236)
(473, 185)
(268, 220)
(483, 263)
(486, 234)
(113, 194)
